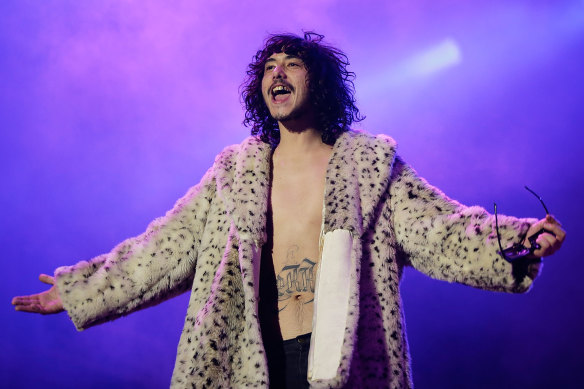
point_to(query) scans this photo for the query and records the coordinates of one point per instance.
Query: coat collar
(357, 177)
(243, 180)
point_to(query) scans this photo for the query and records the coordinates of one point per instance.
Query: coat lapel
(243, 181)
(357, 176)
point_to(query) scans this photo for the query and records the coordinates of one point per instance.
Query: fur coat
(378, 217)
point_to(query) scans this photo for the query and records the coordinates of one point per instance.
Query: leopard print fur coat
(210, 244)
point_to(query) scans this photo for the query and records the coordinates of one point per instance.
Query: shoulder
(365, 148)
(359, 138)
(247, 145)
(250, 148)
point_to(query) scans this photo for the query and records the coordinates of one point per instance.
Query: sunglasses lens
(515, 252)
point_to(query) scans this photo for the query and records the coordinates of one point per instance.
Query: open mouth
(281, 92)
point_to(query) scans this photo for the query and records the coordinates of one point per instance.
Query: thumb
(551, 219)
(47, 279)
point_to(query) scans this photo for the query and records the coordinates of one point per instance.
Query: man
(294, 242)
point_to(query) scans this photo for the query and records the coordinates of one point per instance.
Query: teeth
(280, 88)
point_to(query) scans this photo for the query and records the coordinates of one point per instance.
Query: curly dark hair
(330, 86)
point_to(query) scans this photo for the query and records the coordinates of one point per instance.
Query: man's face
(285, 87)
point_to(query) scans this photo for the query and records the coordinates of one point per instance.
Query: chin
(289, 116)
(285, 117)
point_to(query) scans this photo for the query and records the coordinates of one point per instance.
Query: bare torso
(297, 197)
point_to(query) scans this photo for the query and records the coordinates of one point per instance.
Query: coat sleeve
(449, 241)
(141, 271)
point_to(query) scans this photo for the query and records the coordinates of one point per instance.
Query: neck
(299, 135)
(299, 141)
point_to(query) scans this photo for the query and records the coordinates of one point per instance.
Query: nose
(278, 72)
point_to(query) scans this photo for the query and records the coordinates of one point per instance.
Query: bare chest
(297, 196)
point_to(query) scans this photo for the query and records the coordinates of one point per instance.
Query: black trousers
(289, 367)
(296, 354)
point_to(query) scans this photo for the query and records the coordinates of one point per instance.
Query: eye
(269, 67)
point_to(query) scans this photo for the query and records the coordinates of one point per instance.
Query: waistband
(301, 339)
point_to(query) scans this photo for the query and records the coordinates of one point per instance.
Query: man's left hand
(550, 240)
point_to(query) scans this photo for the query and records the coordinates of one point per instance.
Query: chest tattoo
(295, 277)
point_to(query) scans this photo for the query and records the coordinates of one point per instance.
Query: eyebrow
(287, 57)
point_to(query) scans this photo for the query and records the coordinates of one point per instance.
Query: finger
(19, 300)
(534, 229)
(547, 241)
(557, 230)
(29, 308)
(549, 245)
(47, 279)
(537, 226)
(542, 251)
(552, 219)
(543, 243)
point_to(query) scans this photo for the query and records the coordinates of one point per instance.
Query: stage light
(444, 55)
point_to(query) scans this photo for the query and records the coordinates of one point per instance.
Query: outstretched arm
(447, 240)
(142, 271)
(139, 272)
(45, 303)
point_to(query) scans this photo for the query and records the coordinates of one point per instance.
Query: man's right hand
(46, 302)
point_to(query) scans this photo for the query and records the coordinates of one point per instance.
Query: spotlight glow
(414, 68)
(444, 55)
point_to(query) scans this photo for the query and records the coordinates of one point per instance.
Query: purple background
(110, 110)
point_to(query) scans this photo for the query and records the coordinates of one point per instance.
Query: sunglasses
(518, 250)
